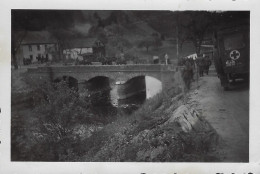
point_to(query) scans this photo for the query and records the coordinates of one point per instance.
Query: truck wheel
(224, 82)
(227, 83)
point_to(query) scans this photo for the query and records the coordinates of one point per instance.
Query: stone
(186, 118)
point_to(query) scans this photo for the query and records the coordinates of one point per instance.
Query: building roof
(82, 43)
(44, 37)
(38, 37)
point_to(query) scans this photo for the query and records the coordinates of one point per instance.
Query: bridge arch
(138, 74)
(144, 84)
(98, 82)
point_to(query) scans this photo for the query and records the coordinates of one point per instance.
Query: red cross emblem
(234, 55)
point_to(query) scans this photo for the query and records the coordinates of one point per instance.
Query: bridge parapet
(82, 73)
(105, 68)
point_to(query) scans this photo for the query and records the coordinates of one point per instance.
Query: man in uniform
(207, 65)
(201, 65)
(187, 74)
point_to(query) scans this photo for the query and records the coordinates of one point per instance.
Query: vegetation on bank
(60, 125)
(147, 136)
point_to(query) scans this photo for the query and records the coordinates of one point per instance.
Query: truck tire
(224, 82)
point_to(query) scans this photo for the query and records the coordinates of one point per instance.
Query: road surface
(228, 113)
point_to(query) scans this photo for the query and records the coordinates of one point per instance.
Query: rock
(188, 119)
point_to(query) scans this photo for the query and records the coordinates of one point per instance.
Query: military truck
(231, 55)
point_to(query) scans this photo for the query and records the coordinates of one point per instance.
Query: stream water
(133, 102)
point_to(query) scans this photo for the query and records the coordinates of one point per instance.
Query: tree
(157, 42)
(193, 26)
(15, 46)
(149, 41)
(117, 37)
(59, 109)
(63, 38)
(146, 43)
(99, 33)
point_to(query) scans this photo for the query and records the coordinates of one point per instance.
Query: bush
(58, 109)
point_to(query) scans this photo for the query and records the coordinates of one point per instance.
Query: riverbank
(165, 128)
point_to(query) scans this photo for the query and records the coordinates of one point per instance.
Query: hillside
(122, 31)
(163, 22)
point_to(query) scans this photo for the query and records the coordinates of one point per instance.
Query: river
(135, 100)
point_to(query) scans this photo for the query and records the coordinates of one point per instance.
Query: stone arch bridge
(83, 73)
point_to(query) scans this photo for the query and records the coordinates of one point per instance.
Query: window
(38, 47)
(235, 41)
(31, 57)
(30, 48)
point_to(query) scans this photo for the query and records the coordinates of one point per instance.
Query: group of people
(42, 59)
(202, 64)
(27, 61)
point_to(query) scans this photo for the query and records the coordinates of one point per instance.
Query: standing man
(207, 65)
(201, 65)
(166, 59)
(187, 74)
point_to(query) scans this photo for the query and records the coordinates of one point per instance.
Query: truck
(232, 55)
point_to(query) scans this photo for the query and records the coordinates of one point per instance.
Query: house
(85, 48)
(37, 44)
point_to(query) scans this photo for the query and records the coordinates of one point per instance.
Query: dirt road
(228, 113)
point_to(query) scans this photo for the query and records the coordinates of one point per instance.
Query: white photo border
(6, 166)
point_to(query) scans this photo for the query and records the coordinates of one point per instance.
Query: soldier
(201, 65)
(207, 65)
(187, 74)
(192, 68)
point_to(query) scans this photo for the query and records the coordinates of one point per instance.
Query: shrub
(57, 111)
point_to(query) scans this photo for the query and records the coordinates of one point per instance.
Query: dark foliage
(49, 132)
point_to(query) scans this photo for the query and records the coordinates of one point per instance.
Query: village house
(86, 48)
(37, 46)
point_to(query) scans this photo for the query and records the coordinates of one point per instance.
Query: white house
(78, 48)
(38, 44)
(74, 53)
